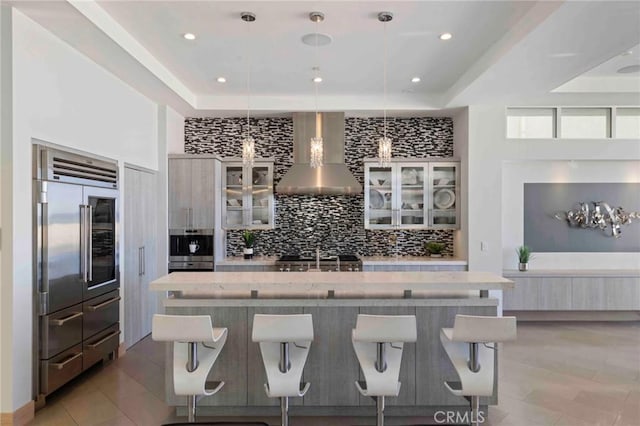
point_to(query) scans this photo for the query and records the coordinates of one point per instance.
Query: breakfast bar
(334, 299)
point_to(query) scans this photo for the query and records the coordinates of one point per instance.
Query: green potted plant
(524, 255)
(249, 239)
(434, 248)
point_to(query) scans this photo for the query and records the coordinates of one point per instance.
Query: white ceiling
(501, 51)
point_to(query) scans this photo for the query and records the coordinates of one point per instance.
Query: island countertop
(353, 284)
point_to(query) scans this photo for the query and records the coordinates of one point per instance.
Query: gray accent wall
(544, 233)
(335, 223)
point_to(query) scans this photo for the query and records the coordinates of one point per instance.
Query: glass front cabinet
(412, 195)
(247, 195)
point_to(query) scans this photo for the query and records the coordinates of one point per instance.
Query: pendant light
(316, 144)
(248, 144)
(384, 143)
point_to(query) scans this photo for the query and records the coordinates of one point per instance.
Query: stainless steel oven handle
(187, 218)
(83, 242)
(90, 241)
(62, 321)
(93, 308)
(104, 339)
(144, 260)
(61, 365)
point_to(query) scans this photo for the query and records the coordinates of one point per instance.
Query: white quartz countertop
(412, 260)
(514, 273)
(356, 284)
(366, 260)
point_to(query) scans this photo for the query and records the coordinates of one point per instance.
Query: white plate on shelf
(376, 199)
(444, 198)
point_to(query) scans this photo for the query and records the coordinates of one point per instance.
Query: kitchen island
(334, 299)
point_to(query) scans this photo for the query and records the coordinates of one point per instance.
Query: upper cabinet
(247, 195)
(191, 193)
(412, 195)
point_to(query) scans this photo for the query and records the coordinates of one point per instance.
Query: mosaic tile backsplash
(334, 223)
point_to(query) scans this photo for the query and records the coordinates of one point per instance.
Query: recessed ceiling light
(317, 79)
(563, 55)
(222, 80)
(189, 36)
(415, 80)
(445, 36)
(629, 69)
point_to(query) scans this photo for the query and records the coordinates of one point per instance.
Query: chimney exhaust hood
(334, 177)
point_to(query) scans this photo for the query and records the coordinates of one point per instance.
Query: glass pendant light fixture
(317, 144)
(384, 143)
(248, 144)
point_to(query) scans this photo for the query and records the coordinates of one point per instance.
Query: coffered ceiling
(501, 51)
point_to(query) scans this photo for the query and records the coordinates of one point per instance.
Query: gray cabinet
(332, 362)
(191, 192)
(562, 292)
(415, 194)
(247, 195)
(141, 259)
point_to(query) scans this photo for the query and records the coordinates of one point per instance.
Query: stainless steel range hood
(334, 177)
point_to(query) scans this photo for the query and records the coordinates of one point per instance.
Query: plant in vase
(524, 255)
(434, 248)
(249, 239)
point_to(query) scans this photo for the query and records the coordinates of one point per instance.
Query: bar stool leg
(284, 410)
(475, 411)
(380, 410)
(192, 365)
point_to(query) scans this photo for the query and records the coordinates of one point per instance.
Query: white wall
(62, 97)
(516, 173)
(175, 132)
(497, 169)
(461, 151)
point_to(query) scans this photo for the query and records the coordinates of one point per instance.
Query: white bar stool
(190, 334)
(473, 362)
(378, 341)
(283, 362)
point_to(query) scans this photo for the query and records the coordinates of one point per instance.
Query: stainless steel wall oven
(76, 273)
(190, 249)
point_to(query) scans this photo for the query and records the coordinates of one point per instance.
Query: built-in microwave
(190, 249)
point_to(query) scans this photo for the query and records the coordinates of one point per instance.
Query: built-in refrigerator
(76, 271)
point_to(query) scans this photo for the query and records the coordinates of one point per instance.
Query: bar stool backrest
(385, 328)
(182, 328)
(282, 328)
(483, 329)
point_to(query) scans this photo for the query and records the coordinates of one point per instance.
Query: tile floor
(563, 374)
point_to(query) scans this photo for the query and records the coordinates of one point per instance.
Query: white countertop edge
(565, 273)
(197, 302)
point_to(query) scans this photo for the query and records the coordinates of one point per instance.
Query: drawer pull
(92, 308)
(62, 321)
(104, 339)
(61, 365)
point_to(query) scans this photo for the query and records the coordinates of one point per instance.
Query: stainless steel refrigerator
(76, 273)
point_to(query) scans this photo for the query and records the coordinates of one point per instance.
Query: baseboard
(574, 315)
(20, 417)
(122, 349)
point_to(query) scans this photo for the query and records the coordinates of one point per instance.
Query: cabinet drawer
(58, 370)
(61, 330)
(100, 313)
(100, 346)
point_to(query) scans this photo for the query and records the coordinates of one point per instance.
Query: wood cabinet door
(149, 226)
(132, 252)
(180, 193)
(332, 366)
(202, 193)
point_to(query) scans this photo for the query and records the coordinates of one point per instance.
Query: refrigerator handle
(83, 242)
(144, 260)
(139, 261)
(90, 242)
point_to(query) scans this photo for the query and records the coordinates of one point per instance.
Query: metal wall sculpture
(600, 216)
